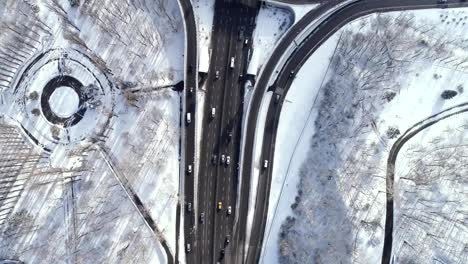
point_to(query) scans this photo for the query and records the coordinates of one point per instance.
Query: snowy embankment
(296, 123)
(204, 13)
(389, 72)
(76, 208)
(272, 22)
(299, 9)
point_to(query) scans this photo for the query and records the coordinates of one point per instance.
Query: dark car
(202, 217)
(214, 159)
(240, 34)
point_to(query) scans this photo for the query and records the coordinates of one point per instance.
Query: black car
(202, 217)
(240, 34)
(214, 159)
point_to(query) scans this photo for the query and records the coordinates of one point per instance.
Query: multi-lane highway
(217, 180)
(233, 23)
(281, 87)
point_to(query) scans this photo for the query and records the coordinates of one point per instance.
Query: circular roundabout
(63, 102)
(65, 99)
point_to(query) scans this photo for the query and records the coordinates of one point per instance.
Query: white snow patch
(272, 23)
(296, 123)
(64, 101)
(204, 12)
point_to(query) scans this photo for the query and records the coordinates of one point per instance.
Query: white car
(265, 164)
(223, 159)
(189, 247)
(228, 160)
(189, 169)
(232, 62)
(213, 112)
(189, 118)
(229, 210)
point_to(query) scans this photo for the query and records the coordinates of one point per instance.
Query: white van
(189, 118)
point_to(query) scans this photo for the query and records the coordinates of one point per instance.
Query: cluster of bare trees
(344, 175)
(17, 161)
(20, 40)
(432, 198)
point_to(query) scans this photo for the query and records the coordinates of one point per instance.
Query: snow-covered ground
(272, 22)
(431, 195)
(388, 72)
(66, 204)
(296, 124)
(204, 12)
(299, 9)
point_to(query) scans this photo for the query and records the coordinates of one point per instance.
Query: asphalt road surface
(191, 79)
(281, 87)
(217, 181)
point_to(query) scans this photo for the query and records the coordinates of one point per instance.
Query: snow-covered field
(204, 12)
(64, 201)
(387, 73)
(299, 9)
(272, 22)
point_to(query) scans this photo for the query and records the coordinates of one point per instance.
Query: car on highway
(277, 98)
(246, 41)
(233, 60)
(189, 207)
(223, 159)
(221, 255)
(188, 248)
(291, 74)
(213, 112)
(214, 159)
(229, 210)
(217, 75)
(220, 206)
(189, 118)
(228, 239)
(229, 136)
(202, 217)
(265, 164)
(228, 160)
(240, 34)
(191, 90)
(189, 169)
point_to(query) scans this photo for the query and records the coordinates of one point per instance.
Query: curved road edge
(303, 52)
(390, 176)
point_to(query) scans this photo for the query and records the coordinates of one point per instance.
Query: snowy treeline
(338, 216)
